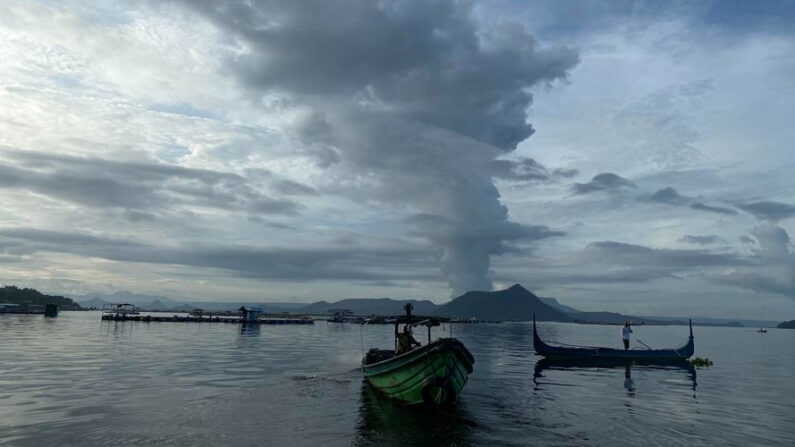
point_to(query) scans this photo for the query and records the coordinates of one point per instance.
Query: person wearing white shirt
(625, 331)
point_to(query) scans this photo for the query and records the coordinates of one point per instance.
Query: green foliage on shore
(700, 362)
(15, 295)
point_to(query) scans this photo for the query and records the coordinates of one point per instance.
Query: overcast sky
(625, 155)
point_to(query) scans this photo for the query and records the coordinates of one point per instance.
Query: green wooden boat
(433, 374)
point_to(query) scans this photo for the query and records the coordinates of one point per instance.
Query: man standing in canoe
(625, 331)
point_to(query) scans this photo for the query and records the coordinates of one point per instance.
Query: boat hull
(433, 374)
(610, 354)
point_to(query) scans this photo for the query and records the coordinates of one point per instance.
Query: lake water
(74, 381)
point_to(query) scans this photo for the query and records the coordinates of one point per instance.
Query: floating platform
(22, 312)
(195, 319)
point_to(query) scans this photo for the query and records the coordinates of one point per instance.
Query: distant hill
(216, 306)
(370, 306)
(554, 303)
(136, 299)
(613, 318)
(514, 303)
(707, 321)
(787, 325)
(95, 302)
(15, 295)
(156, 305)
(157, 302)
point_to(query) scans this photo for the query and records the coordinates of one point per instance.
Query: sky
(631, 156)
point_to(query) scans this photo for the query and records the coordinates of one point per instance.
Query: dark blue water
(72, 381)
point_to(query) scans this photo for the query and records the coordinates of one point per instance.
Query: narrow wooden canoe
(594, 352)
(433, 374)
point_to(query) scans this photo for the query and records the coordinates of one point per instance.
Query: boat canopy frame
(410, 320)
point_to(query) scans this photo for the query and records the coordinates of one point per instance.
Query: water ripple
(73, 381)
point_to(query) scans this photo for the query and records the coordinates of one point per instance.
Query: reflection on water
(584, 365)
(629, 385)
(383, 422)
(117, 329)
(249, 330)
(74, 381)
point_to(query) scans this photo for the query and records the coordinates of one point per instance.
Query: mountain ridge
(457, 307)
(514, 303)
(371, 306)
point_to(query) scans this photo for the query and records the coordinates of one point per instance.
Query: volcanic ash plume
(415, 98)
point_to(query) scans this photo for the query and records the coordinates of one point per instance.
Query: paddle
(644, 344)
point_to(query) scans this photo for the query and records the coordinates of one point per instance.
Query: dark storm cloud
(768, 210)
(139, 216)
(58, 238)
(96, 190)
(287, 264)
(526, 170)
(713, 209)
(769, 269)
(637, 255)
(409, 103)
(291, 188)
(439, 227)
(616, 262)
(605, 276)
(427, 60)
(668, 195)
(381, 284)
(565, 173)
(740, 16)
(603, 182)
(700, 239)
(139, 188)
(279, 184)
(671, 196)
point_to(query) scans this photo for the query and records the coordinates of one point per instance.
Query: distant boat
(344, 316)
(594, 352)
(762, 330)
(434, 374)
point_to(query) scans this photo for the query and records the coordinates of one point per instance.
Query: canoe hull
(598, 353)
(433, 374)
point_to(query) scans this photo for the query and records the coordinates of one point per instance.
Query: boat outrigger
(598, 353)
(433, 374)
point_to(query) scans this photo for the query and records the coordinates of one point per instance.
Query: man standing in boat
(405, 341)
(625, 331)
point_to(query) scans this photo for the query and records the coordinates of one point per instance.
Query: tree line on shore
(32, 297)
